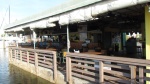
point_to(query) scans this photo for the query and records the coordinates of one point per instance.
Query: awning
(41, 24)
(99, 9)
(53, 19)
(25, 26)
(87, 13)
(77, 15)
(18, 29)
(64, 19)
(9, 30)
(15, 29)
(50, 24)
(114, 5)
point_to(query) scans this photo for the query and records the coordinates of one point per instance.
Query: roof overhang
(76, 11)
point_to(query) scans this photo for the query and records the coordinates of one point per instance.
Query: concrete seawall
(43, 64)
(40, 71)
(46, 73)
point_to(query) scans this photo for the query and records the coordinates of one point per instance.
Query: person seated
(71, 50)
(110, 51)
(76, 51)
(42, 45)
(37, 44)
(131, 47)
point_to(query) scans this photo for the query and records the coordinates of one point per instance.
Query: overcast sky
(23, 8)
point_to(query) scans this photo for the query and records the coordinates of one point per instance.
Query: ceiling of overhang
(127, 18)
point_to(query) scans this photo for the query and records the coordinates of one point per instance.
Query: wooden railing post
(133, 74)
(67, 78)
(101, 72)
(15, 53)
(69, 70)
(27, 57)
(141, 75)
(20, 55)
(55, 66)
(10, 54)
(36, 62)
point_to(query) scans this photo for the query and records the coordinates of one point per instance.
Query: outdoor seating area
(99, 41)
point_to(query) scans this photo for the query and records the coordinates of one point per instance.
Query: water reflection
(10, 74)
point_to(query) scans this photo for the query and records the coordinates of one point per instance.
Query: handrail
(34, 50)
(43, 58)
(112, 69)
(133, 61)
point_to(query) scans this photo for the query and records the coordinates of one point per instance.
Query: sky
(20, 9)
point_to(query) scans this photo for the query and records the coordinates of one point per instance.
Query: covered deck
(92, 46)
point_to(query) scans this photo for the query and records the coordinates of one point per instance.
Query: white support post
(68, 40)
(101, 72)
(34, 38)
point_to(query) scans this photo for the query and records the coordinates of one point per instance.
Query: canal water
(10, 74)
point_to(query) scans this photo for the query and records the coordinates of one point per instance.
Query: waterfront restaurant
(113, 33)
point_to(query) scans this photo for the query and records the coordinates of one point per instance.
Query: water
(10, 74)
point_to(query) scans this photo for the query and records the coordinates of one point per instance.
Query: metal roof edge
(64, 7)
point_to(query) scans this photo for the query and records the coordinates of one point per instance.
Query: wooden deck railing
(106, 69)
(42, 58)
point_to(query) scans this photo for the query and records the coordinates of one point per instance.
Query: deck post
(133, 74)
(69, 71)
(10, 54)
(141, 75)
(55, 66)
(20, 55)
(36, 62)
(15, 53)
(101, 72)
(28, 57)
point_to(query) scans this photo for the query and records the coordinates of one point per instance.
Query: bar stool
(59, 58)
(64, 57)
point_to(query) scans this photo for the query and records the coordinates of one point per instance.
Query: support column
(34, 38)
(147, 34)
(68, 40)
